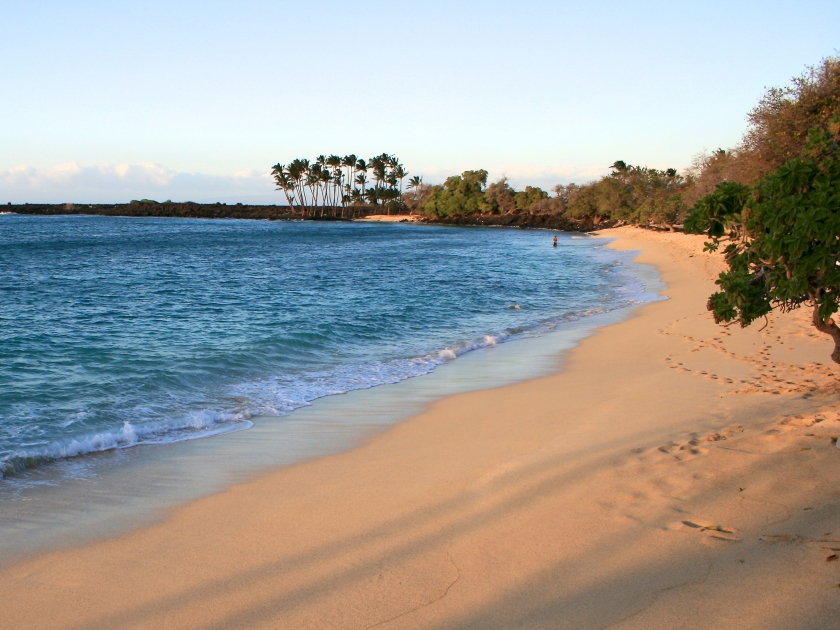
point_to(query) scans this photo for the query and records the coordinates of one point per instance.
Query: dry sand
(675, 474)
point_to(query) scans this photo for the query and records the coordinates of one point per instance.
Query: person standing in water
(555, 241)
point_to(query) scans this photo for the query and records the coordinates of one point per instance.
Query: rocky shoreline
(537, 221)
(282, 213)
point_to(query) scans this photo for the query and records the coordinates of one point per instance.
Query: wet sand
(673, 474)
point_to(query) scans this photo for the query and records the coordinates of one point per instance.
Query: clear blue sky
(175, 97)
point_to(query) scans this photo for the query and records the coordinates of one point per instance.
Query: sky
(113, 101)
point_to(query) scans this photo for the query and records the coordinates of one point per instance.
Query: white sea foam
(189, 427)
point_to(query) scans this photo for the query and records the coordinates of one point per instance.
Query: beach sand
(674, 474)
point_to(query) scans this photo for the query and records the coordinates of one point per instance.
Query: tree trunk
(829, 328)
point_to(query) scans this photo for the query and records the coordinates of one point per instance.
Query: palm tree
(348, 162)
(391, 191)
(313, 181)
(356, 199)
(330, 181)
(362, 180)
(284, 183)
(298, 171)
(379, 169)
(335, 162)
(415, 184)
(371, 195)
(325, 178)
(400, 173)
(319, 167)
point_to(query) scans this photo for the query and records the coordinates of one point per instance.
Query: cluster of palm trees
(330, 184)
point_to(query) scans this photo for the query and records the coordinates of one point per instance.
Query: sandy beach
(674, 474)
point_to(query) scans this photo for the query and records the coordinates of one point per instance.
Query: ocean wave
(191, 426)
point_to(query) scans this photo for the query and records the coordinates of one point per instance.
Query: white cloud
(120, 183)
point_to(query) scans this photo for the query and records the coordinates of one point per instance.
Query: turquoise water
(116, 332)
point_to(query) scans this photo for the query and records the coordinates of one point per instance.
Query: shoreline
(72, 502)
(578, 499)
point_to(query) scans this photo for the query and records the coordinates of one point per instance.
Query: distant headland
(191, 210)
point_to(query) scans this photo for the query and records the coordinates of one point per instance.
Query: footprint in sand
(692, 446)
(683, 451)
(821, 425)
(715, 532)
(774, 539)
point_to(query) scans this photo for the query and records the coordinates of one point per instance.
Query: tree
(777, 132)
(459, 195)
(379, 168)
(313, 182)
(400, 174)
(781, 122)
(783, 238)
(297, 171)
(362, 181)
(331, 182)
(526, 199)
(415, 182)
(418, 193)
(336, 180)
(284, 183)
(348, 162)
(661, 210)
(580, 201)
(391, 193)
(500, 197)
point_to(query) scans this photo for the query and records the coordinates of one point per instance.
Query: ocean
(119, 332)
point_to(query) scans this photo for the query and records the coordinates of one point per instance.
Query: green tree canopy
(783, 238)
(661, 210)
(530, 196)
(459, 195)
(500, 197)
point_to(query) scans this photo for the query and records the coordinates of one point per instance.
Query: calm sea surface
(123, 331)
